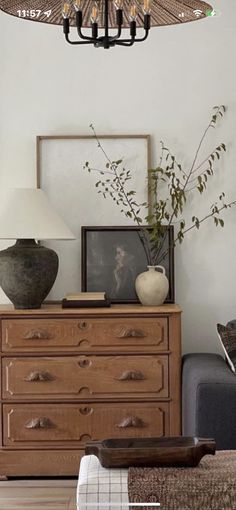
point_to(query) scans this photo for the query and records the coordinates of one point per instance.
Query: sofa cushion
(227, 337)
(209, 399)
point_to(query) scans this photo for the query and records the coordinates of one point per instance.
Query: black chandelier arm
(142, 38)
(77, 42)
(119, 20)
(79, 21)
(134, 39)
(85, 37)
(126, 42)
(94, 31)
(146, 24)
(122, 42)
(66, 30)
(115, 37)
(106, 19)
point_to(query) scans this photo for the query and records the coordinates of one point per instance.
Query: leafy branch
(169, 180)
(116, 188)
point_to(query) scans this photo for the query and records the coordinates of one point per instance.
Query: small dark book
(86, 300)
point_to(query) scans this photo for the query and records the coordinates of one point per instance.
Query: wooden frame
(103, 248)
(72, 192)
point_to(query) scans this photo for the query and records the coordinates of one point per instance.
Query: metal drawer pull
(131, 333)
(83, 325)
(83, 363)
(39, 334)
(85, 410)
(131, 421)
(39, 423)
(39, 376)
(131, 375)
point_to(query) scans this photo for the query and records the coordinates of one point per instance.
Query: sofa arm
(209, 399)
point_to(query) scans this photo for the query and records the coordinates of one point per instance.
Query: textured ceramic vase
(152, 286)
(27, 273)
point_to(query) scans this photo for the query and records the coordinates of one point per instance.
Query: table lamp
(28, 269)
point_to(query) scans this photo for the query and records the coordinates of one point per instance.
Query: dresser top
(56, 309)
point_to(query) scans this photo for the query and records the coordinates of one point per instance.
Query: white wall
(165, 87)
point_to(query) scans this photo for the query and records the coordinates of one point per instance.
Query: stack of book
(85, 300)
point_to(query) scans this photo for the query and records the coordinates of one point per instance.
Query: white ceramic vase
(152, 286)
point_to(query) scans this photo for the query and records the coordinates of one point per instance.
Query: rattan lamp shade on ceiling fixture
(163, 12)
(108, 15)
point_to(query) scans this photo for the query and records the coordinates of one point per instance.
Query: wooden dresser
(68, 376)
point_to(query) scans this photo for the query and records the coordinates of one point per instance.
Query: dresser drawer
(85, 376)
(85, 334)
(34, 425)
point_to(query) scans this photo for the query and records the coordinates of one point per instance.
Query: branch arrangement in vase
(169, 180)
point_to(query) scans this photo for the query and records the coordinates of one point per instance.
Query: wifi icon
(197, 13)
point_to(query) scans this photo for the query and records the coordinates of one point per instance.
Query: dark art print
(112, 258)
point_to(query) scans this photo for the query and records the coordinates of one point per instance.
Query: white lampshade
(26, 213)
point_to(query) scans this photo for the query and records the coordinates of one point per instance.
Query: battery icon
(212, 12)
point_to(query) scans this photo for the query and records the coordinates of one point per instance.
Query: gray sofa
(209, 399)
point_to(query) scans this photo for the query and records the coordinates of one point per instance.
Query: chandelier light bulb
(146, 6)
(66, 10)
(78, 5)
(133, 13)
(94, 13)
(118, 4)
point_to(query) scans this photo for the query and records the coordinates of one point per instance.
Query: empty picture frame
(72, 192)
(112, 258)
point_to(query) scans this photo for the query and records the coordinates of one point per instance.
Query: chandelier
(108, 19)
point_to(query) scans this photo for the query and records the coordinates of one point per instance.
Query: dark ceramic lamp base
(27, 273)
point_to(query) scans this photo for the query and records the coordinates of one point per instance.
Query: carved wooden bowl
(159, 452)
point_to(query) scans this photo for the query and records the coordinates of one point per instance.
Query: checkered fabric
(100, 488)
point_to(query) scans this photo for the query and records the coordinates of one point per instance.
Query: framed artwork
(72, 192)
(112, 257)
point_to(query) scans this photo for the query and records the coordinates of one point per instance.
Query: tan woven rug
(210, 486)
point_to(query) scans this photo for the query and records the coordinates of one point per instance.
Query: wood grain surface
(38, 494)
(69, 376)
